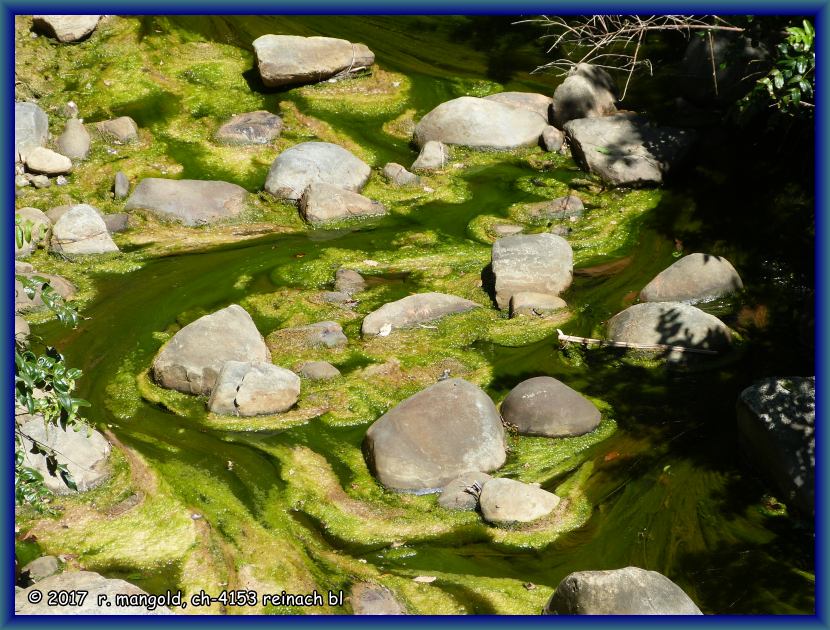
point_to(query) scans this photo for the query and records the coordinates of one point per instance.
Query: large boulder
(776, 429)
(374, 599)
(505, 501)
(81, 230)
(191, 361)
(99, 591)
(41, 228)
(628, 591)
(693, 278)
(547, 407)
(66, 28)
(413, 310)
(531, 101)
(315, 162)
(537, 263)
(74, 141)
(258, 127)
(323, 203)
(291, 59)
(669, 323)
(480, 124)
(589, 92)
(253, 388)
(418, 445)
(46, 161)
(31, 127)
(190, 201)
(433, 157)
(625, 150)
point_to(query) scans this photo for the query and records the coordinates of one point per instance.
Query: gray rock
(505, 501)
(94, 585)
(373, 599)
(433, 157)
(190, 201)
(559, 208)
(41, 228)
(81, 230)
(190, 362)
(60, 180)
(318, 371)
(117, 222)
(66, 28)
(537, 263)
(531, 101)
(22, 302)
(21, 329)
(323, 203)
(417, 445)
(258, 127)
(40, 569)
(776, 432)
(291, 59)
(319, 335)
(552, 139)
(74, 141)
(123, 129)
(671, 323)
(315, 162)
(121, 185)
(589, 92)
(253, 388)
(413, 310)
(45, 161)
(628, 591)
(480, 124)
(459, 494)
(349, 281)
(535, 304)
(336, 297)
(546, 407)
(399, 176)
(31, 127)
(693, 278)
(626, 150)
(507, 229)
(20, 181)
(40, 181)
(53, 214)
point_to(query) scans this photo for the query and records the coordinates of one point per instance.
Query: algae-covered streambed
(286, 502)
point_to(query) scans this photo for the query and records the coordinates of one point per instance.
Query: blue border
(818, 9)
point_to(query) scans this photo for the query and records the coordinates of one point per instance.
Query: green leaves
(790, 84)
(65, 313)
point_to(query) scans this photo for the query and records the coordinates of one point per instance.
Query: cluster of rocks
(71, 229)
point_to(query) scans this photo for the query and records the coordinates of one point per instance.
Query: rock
(693, 278)
(31, 127)
(190, 201)
(672, 323)
(413, 310)
(336, 297)
(123, 129)
(315, 162)
(83, 452)
(589, 92)
(121, 185)
(628, 591)
(349, 281)
(559, 208)
(74, 141)
(417, 445)
(552, 139)
(433, 157)
(66, 28)
(41, 228)
(776, 433)
(531, 101)
(190, 362)
(53, 214)
(40, 569)
(258, 127)
(23, 267)
(318, 371)
(626, 150)
(322, 203)
(322, 335)
(537, 263)
(22, 302)
(373, 599)
(290, 59)
(81, 230)
(253, 389)
(117, 222)
(535, 304)
(504, 501)
(46, 161)
(21, 329)
(20, 181)
(455, 495)
(507, 229)
(480, 124)
(94, 585)
(60, 180)
(546, 407)
(40, 181)
(399, 176)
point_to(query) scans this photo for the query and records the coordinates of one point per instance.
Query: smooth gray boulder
(628, 591)
(190, 362)
(21, 329)
(253, 388)
(315, 162)
(547, 407)
(94, 585)
(413, 310)
(31, 127)
(670, 323)
(693, 278)
(531, 101)
(56, 212)
(625, 150)
(373, 599)
(397, 175)
(535, 304)
(589, 92)
(461, 493)
(81, 230)
(41, 228)
(348, 281)
(45, 161)
(505, 501)
(121, 185)
(291, 59)
(74, 142)
(776, 433)
(123, 129)
(552, 139)
(189, 201)
(258, 127)
(323, 203)
(40, 569)
(417, 445)
(536, 263)
(66, 28)
(433, 156)
(318, 371)
(22, 302)
(480, 124)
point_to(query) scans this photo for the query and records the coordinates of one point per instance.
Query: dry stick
(712, 57)
(563, 338)
(633, 66)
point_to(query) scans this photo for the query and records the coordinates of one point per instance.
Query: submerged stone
(413, 310)
(505, 501)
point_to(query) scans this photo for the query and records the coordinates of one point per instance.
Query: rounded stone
(547, 407)
(693, 278)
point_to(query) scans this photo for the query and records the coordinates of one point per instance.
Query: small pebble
(20, 181)
(60, 180)
(195, 516)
